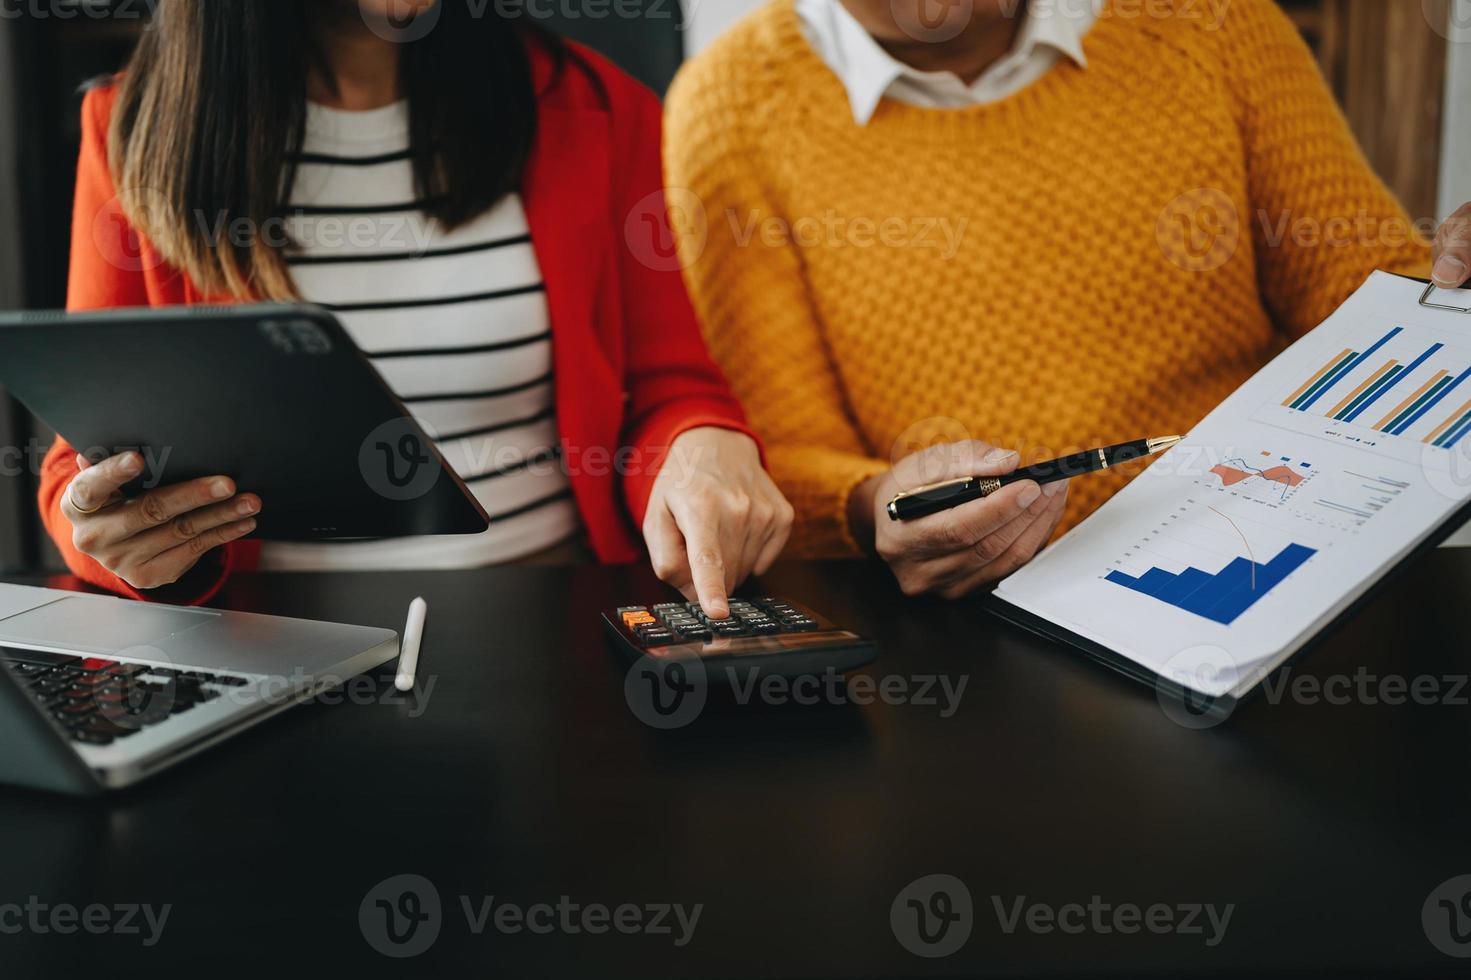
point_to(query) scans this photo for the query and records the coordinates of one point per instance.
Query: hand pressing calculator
(770, 636)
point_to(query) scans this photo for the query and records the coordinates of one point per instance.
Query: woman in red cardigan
(482, 207)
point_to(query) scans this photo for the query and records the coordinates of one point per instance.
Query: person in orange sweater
(915, 234)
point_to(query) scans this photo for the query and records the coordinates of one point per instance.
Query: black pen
(923, 501)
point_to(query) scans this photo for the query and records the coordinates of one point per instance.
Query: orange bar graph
(1319, 376)
(1388, 366)
(1410, 401)
(1440, 429)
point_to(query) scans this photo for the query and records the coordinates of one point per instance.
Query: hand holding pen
(952, 492)
(958, 551)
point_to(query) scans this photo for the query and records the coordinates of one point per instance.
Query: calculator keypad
(670, 623)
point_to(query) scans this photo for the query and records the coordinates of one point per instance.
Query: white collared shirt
(869, 73)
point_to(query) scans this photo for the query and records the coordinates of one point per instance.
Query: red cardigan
(632, 371)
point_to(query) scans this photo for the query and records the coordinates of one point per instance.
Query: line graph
(1343, 499)
(1272, 478)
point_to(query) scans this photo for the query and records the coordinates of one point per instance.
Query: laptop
(98, 693)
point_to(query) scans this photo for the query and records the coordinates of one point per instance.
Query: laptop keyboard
(99, 701)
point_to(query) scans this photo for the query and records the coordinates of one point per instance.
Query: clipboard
(1220, 708)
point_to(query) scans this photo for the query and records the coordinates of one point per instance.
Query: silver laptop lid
(70, 622)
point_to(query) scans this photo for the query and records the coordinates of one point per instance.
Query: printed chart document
(1280, 509)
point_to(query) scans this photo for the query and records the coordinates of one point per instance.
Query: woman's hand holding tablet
(153, 539)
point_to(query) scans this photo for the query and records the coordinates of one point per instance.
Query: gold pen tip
(1160, 444)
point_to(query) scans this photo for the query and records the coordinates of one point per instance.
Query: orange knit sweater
(1102, 256)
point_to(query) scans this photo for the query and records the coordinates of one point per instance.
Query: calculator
(770, 636)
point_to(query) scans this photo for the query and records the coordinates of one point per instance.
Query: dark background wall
(13, 546)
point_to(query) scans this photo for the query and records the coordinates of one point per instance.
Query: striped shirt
(455, 321)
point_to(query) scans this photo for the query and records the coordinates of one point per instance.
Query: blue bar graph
(1221, 597)
(1456, 434)
(1399, 429)
(1430, 396)
(1356, 410)
(1317, 391)
(1371, 393)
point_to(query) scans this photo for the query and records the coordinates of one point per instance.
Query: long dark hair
(213, 106)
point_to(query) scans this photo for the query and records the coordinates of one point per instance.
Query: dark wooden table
(1323, 823)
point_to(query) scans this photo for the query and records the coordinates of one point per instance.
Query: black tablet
(276, 396)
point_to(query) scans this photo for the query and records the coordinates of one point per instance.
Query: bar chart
(1214, 558)
(1221, 596)
(1391, 386)
(1452, 430)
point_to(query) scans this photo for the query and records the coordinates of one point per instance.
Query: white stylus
(408, 650)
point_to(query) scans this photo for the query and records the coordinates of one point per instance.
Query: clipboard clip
(1429, 292)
